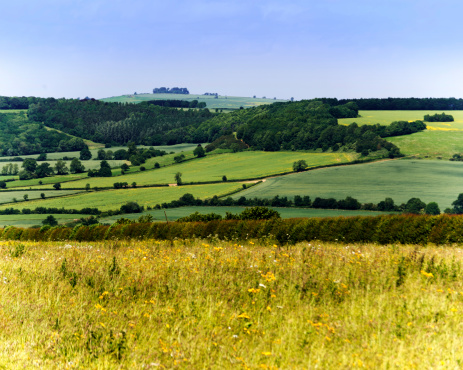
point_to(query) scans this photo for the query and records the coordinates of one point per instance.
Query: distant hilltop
(167, 90)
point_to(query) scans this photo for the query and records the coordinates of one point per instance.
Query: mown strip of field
(431, 181)
(113, 199)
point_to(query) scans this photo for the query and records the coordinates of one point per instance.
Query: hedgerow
(404, 229)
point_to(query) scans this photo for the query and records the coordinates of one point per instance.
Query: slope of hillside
(227, 103)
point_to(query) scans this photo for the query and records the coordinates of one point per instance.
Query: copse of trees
(173, 90)
(119, 123)
(438, 118)
(20, 136)
(302, 125)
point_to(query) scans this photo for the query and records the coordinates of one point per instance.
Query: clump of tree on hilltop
(173, 90)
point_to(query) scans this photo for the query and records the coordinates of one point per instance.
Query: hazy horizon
(300, 49)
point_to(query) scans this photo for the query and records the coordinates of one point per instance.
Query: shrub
(131, 207)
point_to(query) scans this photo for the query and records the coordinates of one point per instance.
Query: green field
(113, 199)
(33, 219)
(385, 117)
(441, 139)
(10, 196)
(14, 111)
(245, 165)
(431, 181)
(226, 102)
(430, 144)
(175, 213)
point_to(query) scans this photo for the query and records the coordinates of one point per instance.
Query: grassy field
(244, 165)
(430, 144)
(441, 139)
(385, 117)
(34, 220)
(431, 181)
(175, 213)
(226, 102)
(217, 305)
(12, 111)
(113, 199)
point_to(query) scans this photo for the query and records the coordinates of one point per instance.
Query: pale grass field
(227, 305)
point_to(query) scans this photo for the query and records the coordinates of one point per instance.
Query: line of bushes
(406, 229)
(414, 205)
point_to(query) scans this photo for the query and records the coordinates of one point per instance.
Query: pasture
(226, 102)
(385, 117)
(431, 181)
(245, 304)
(114, 199)
(441, 139)
(175, 213)
(430, 144)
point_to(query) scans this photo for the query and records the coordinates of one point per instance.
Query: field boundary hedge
(388, 229)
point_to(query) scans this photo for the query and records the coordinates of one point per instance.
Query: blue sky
(283, 49)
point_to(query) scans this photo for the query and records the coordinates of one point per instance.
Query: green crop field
(22, 220)
(175, 213)
(10, 196)
(244, 165)
(113, 199)
(431, 181)
(226, 102)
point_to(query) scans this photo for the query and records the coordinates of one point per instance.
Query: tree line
(413, 205)
(400, 103)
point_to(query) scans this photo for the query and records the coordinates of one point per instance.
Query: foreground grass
(198, 304)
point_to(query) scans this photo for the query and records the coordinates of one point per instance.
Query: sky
(275, 48)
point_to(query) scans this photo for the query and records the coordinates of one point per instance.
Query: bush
(131, 207)
(50, 220)
(258, 213)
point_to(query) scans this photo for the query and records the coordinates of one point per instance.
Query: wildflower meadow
(216, 304)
